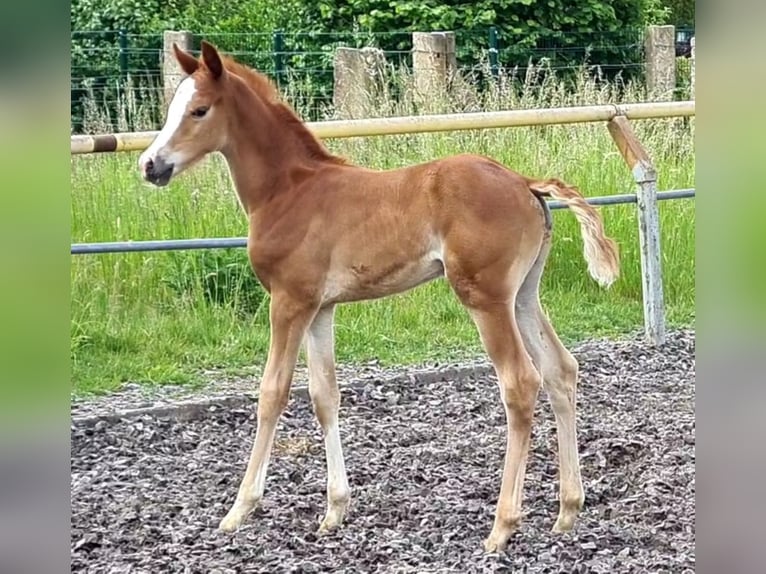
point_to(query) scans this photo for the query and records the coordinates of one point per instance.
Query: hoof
(229, 524)
(499, 537)
(563, 524)
(235, 517)
(495, 545)
(332, 521)
(327, 527)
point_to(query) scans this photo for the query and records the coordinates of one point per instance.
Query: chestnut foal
(324, 232)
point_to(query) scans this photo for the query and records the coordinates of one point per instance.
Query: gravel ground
(424, 462)
(132, 396)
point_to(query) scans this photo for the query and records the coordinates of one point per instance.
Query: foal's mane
(264, 88)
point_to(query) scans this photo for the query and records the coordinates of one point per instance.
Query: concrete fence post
(171, 71)
(433, 63)
(660, 54)
(358, 76)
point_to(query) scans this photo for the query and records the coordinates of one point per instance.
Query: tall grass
(167, 317)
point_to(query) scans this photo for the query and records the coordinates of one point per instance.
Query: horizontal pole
(158, 245)
(136, 141)
(236, 242)
(628, 198)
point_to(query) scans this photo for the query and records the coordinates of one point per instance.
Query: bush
(223, 276)
(522, 24)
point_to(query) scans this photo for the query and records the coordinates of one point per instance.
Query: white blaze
(176, 111)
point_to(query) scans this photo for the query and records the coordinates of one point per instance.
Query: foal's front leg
(325, 396)
(289, 320)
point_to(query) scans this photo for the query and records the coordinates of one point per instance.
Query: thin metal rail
(237, 242)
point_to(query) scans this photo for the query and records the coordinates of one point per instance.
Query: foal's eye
(199, 112)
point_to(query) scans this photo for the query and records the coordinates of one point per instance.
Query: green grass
(164, 318)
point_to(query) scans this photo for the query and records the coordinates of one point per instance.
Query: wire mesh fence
(116, 77)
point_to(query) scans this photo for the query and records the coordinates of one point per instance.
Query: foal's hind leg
(325, 397)
(519, 382)
(559, 371)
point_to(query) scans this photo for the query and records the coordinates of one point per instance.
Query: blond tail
(601, 252)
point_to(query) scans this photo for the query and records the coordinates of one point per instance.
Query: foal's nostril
(149, 166)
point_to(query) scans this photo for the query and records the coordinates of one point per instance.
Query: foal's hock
(324, 232)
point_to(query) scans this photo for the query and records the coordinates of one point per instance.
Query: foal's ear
(212, 60)
(188, 63)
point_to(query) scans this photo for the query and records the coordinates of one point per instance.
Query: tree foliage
(522, 24)
(151, 16)
(562, 30)
(681, 12)
(96, 26)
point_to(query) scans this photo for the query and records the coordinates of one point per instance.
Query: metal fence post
(645, 176)
(122, 39)
(493, 52)
(278, 48)
(122, 79)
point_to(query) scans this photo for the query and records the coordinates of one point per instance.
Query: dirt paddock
(424, 461)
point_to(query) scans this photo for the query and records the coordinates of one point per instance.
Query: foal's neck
(267, 146)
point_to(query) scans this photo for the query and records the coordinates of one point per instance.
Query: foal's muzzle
(157, 172)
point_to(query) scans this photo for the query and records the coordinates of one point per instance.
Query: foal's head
(196, 122)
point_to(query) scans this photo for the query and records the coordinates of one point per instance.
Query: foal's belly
(373, 280)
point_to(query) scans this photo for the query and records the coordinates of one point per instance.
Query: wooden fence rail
(136, 141)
